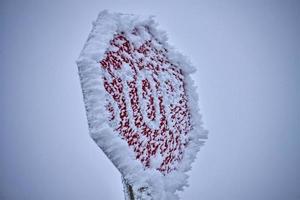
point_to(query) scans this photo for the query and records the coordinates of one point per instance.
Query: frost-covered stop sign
(141, 106)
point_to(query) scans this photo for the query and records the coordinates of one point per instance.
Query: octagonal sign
(140, 103)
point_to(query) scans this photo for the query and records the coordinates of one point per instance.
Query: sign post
(141, 104)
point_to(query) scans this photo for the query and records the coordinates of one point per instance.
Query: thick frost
(141, 104)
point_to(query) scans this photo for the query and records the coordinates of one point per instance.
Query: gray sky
(248, 59)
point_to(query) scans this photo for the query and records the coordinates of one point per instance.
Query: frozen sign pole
(141, 104)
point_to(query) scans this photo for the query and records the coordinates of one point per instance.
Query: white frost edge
(116, 149)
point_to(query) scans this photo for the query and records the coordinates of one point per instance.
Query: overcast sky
(248, 59)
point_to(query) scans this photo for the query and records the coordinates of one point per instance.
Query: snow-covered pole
(132, 194)
(128, 191)
(141, 104)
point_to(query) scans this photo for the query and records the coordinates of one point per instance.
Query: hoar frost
(141, 103)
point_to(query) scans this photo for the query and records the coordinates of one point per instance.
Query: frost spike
(141, 104)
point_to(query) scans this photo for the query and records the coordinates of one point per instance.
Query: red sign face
(146, 101)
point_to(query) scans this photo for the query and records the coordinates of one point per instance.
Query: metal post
(128, 191)
(130, 194)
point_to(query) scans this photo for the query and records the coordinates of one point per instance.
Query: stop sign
(140, 102)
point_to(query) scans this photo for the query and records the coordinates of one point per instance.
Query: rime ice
(141, 106)
(144, 88)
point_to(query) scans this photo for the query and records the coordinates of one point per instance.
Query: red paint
(145, 141)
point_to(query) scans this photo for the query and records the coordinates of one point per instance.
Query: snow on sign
(140, 102)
